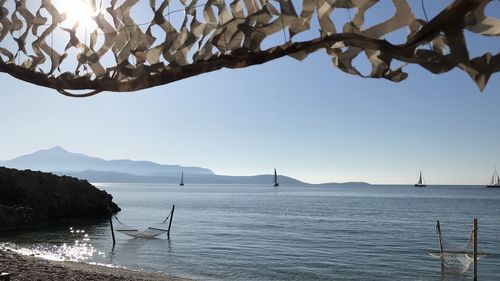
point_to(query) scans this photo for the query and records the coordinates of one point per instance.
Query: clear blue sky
(307, 119)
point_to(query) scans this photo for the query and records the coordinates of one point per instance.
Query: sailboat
(495, 179)
(182, 179)
(420, 182)
(275, 179)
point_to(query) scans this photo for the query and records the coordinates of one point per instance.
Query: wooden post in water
(111, 225)
(170, 222)
(438, 230)
(475, 248)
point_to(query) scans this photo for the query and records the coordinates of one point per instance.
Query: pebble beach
(31, 268)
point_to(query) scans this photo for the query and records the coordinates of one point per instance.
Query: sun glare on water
(78, 12)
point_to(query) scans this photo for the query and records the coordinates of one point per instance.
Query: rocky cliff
(30, 199)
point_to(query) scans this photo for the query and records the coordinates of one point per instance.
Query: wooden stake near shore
(475, 247)
(438, 230)
(111, 225)
(170, 222)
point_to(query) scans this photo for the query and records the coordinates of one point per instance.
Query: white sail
(496, 173)
(420, 182)
(495, 178)
(275, 178)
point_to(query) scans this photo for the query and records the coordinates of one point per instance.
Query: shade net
(129, 45)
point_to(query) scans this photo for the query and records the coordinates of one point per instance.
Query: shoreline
(26, 268)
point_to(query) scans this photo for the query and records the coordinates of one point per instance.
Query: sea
(250, 232)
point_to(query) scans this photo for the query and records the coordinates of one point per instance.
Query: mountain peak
(57, 149)
(53, 151)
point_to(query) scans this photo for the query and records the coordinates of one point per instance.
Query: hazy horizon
(57, 147)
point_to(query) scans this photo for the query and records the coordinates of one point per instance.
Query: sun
(78, 12)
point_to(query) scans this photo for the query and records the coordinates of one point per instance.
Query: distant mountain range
(62, 162)
(57, 159)
(95, 176)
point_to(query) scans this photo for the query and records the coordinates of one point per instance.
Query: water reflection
(294, 233)
(77, 248)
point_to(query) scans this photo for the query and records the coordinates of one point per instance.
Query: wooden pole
(111, 225)
(475, 248)
(170, 222)
(438, 230)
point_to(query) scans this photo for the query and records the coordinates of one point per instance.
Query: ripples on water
(289, 233)
(79, 250)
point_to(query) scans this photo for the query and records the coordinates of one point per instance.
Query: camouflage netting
(122, 54)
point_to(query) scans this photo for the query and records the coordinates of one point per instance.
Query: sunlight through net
(129, 45)
(152, 231)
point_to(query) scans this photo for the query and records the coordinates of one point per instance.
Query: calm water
(288, 233)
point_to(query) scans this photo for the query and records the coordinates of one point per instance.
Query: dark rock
(29, 199)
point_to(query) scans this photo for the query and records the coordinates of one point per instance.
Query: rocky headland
(30, 199)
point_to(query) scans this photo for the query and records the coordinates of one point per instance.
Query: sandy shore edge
(33, 268)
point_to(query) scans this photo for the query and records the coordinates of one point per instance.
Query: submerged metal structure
(183, 38)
